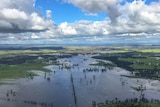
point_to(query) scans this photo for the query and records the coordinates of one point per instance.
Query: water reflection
(74, 83)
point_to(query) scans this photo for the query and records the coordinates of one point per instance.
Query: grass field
(21, 70)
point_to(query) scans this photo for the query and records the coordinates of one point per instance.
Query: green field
(20, 71)
(143, 63)
(16, 63)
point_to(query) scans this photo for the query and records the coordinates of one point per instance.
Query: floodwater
(75, 83)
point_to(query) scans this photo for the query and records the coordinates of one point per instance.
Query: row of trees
(132, 102)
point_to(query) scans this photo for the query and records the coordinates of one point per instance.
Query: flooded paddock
(75, 83)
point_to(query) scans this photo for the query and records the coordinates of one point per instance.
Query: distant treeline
(30, 48)
(19, 59)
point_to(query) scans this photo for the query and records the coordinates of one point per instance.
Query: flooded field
(75, 83)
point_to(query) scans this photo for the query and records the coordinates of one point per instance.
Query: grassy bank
(131, 104)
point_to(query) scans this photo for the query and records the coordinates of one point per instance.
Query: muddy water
(75, 86)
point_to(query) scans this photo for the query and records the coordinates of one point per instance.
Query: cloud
(96, 6)
(141, 13)
(92, 28)
(18, 16)
(67, 29)
(26, 6)
(131, 17)
(139, 17)
(138, 22)
(48, 14)
(91, 14)
(130, 22)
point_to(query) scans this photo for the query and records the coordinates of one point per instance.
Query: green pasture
(21, 70)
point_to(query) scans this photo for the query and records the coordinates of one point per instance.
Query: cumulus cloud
(138, 20)
(140, 12)
(95, 6)
(19, 16)
(48, 14)
(91, 14)
(132, 21)
(131, 17)
(67, 29)
(139, 17)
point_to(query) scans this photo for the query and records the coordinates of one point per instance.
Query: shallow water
(74, 87)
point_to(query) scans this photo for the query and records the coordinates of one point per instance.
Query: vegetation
(17, 63)
(20, 70)
(132, 104)
(8, 53)
(145, 65)
(137, 88)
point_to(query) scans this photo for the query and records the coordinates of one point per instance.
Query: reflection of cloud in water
(120, 71)
(153, 85)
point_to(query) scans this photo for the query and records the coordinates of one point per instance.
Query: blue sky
(63, 12)
(79, 21)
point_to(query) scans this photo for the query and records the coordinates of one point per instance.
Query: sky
(79, 21)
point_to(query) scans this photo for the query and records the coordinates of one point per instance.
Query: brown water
(72, 87)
